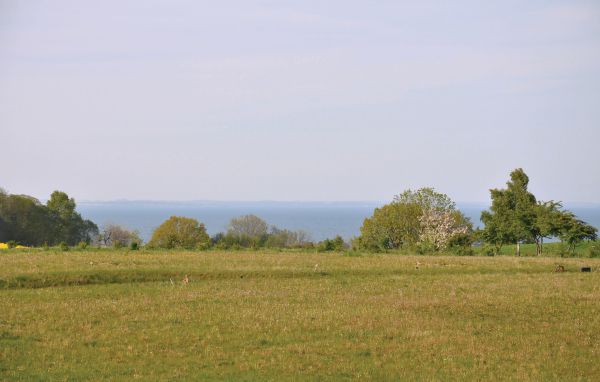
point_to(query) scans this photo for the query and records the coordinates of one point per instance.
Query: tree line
(424, 220)
(516, 217)
(428, 221)
(25, 220)
(248, 231)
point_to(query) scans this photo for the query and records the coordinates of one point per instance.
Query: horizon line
(221, 201)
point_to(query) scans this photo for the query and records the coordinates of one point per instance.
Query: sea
(320, 220)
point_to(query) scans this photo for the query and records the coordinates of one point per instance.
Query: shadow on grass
(75, 278)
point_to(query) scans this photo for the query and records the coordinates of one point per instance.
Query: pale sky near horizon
(298, 100)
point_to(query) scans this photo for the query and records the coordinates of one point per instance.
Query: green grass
(252, 316)
(584, 249)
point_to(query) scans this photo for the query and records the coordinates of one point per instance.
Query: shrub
(63, 246)
(463, 251)
(11, 244)
(489, 250)
(594, 250)
(82, 245)
(134, 246)
(284, 238)
(276, 238)
(462, 244)
(425, 247)
(117, 236)
(336, 244)
(180, 232)
(325, 246)
(232, 241)
(563, 250)
(391, 226)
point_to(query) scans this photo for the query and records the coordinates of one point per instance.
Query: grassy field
(295, 316)
(585, 249)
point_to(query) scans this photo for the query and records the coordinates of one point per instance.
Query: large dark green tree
(27, 221)
(548, 223)
(515, 217)
(512, 215)
(4, 225)
(573, 231)
(71, 228)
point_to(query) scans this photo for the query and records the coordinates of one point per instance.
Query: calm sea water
(320, 219)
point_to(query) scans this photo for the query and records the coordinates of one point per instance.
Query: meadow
(122, 315)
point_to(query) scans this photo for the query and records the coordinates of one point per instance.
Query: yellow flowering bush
(5, 246)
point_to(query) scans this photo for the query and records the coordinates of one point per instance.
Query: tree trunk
(538, 248)
(541, 245)
(518, 249)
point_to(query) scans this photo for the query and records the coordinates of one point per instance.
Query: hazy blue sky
(298, 100)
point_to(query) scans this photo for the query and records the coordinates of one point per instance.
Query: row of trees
(247, 231)
(424, 219)
(25, 220)
(517, 217)
(429, 221)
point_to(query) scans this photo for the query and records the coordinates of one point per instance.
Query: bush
(203, 246)
(352, 253)
(462, 244)
(134, 246)
(117, 236)
(277, 238)
(391, 226)
(180, 232)
(233, 241)
(325, 246)
(63, 246)
(489, 250)
(425, 247)
(82, 245)
(283, 238)
(594, 250)
(463, 251)
(563, 250)
(11, 244)
(336, 244)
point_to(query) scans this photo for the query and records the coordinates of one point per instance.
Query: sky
(298, 100)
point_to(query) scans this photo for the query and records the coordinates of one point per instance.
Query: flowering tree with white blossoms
(424, 217)
(439, 226)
